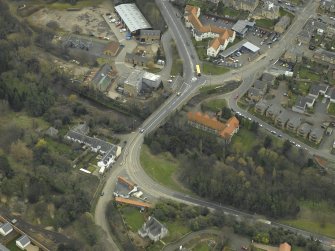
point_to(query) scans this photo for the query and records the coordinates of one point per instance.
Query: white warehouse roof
(251, 47)
(132, 17)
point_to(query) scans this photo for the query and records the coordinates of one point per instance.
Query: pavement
(130, 159)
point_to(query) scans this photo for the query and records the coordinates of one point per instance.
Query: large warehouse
(132, 17)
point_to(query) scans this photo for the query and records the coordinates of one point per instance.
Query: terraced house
(212, 125)
(221, 37)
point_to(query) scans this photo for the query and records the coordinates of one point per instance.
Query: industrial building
(132, 17)
(139, 80)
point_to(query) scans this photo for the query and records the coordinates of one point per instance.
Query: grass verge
(214, 105)
(161, 167)
(318, 218)
(265, 23)
(133, 218)
(212, 69)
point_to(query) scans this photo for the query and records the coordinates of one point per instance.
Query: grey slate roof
(241, 26)
(153, 226)
(51, 131)
(268, 77)
(3, 248)
(315, 89)
(284, 116)
(150, 32)
(294, 122)
(301, 102)
(137, 58)
(23, 240)
(6, 227)
(316, 132)
(255, 92)
(260, 85)
(305, 128)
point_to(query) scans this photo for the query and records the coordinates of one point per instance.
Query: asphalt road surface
(130, 159)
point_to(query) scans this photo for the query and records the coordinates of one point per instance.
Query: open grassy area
(303, 87)
(318, 218)
(201, 48)
(265, 23)
(79, 4)
(306, 73)
(176, 231)
(160, 167)
(12, 245)
(331, 109)
(202, 246)
(177, 64)
(283, 12)
(132, 217)
(209, 68)
(214, 105)
(244, 140)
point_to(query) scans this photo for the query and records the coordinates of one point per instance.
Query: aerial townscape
(167, 125)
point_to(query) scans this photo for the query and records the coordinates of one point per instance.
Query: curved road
(131, 154)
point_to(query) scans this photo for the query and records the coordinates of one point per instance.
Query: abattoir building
(221, 37)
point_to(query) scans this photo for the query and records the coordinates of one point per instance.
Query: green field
(176, 231)
(303, 87)
(161, 167)
(265, 23)
(331, 109)
(214, 105)
(306, 73)
(283, 12)
(201, 48)
(318, 218)
(80, 4)
(132, 217)
(211, 69)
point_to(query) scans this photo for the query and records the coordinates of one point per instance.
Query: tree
(226, 113)
(21, 152)
(267, 142)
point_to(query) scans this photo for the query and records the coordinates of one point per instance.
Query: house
(112, 48)
(52, 132)
(316, 135)
(304, 130)
(149, 36)
(293, 55)
(330, 94)
(81, 128)
(318, 89)
(102, 78)
(255, 94)
(5, 228)
(135, 59)
(324, 56)
(303, 102)
(133, 84)
(282, 119)
(270, 10)
(109, 151)
(282, 24)
(241, 27)
(293, 123)
(153, 229)
(23, 242)
(212, 125)
(220, 36)
(273, 111)
(328, 5)
(261, 107)
(304, 36)
(330, 31)
(261, 85)
(284, 247)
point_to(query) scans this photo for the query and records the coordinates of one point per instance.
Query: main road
(130, 159)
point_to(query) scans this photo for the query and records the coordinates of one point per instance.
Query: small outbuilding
(23, 242)
(6, 228)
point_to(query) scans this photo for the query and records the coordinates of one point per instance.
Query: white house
(6, 228)
(23, 242)
(153, 229)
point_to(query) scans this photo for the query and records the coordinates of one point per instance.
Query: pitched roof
(6, 227)
(23, 240)
(225, 130)
(153, 226)
(285, 247)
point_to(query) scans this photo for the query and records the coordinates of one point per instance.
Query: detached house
(212, 125)
(221, 37)
(5, 228)
(153, 229)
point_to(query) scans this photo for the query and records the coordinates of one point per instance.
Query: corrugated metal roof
(132, 17)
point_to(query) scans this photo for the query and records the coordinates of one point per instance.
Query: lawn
(306, 73)
(214, 105)
(265, 23)
(283, 12)
(303, 87)
(211, 69)
(177, 64)
(12, 245)
(80, 4)
(176, 230)
(202, 246)
(331, 109)
(160, 167)
(133, 217)
(201, 48)
(318, 218)
(244, 141)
